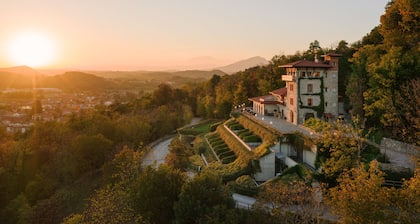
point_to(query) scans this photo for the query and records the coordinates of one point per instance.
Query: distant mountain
(78, 81)
(198, 74)
(21, 70)
(158, 75)
(244, 64)
(26, 77)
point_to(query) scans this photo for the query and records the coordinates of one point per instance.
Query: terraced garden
(236, 158)
(245, 134)
(221, 149)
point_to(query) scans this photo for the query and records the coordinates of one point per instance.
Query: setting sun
(32, 49)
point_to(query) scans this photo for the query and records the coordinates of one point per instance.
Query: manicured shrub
(231, 171)
(245, 185)
(218, 143)
(252, 138)
(264, 133)
(245, 134)
(222, 150)
(228, 159)
(244, 155)
(214, 126)
(218, 147)
(226, 154)
(236, 127)
(213, 138)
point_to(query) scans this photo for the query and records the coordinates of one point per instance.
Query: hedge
(228, 159)
(231, 171)
(245, 185)
(257, 129)
(225, 154)
(214, 126)
(217, 142)
(242, 131)
(252, 138)
(219, 145)
(222, 150)
(213, 138)
(245, 134)
(236, 127)
(240, 150)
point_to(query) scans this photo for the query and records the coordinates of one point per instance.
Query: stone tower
(312, 89)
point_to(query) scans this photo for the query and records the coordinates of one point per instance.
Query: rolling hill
(26, 77)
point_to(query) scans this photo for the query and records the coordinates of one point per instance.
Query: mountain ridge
(244, 64)
(22, 70)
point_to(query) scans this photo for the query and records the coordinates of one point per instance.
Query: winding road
(156, 156)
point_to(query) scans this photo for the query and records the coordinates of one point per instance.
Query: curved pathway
(157, 154)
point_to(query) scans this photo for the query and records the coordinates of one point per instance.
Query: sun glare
(31, 49)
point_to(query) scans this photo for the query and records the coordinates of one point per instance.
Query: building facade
(311, 91)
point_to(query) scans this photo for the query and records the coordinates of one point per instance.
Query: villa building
(311, 91)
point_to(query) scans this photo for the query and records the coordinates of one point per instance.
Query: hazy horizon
(173, 35)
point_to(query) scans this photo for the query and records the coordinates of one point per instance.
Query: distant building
(311, 91)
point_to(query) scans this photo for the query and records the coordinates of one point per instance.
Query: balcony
(288, 78)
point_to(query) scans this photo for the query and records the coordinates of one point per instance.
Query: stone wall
(400, 153)
(389, 144)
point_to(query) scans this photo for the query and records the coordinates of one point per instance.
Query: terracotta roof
(280, 92)
(305, 64)
(267, 99)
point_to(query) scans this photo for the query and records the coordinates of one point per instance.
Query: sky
(176, 34)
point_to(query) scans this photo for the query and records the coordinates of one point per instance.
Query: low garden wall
(400, 153)
(389, 144)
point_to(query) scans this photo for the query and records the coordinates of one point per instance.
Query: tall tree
(109, 205)
(407, 118)
(385, 66)
(240, 95)
(362, 61)
(294, 202)
(155, 192)
(203, 197)
(179, 153)
(360, 197)
(400, 25)
(340, 146)
(163, 95)
(408, 202)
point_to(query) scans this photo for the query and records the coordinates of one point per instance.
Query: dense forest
(88, 168)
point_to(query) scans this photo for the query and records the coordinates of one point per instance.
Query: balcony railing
(288, 78)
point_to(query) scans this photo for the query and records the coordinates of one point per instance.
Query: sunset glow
(32, 49)
(173, 35)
